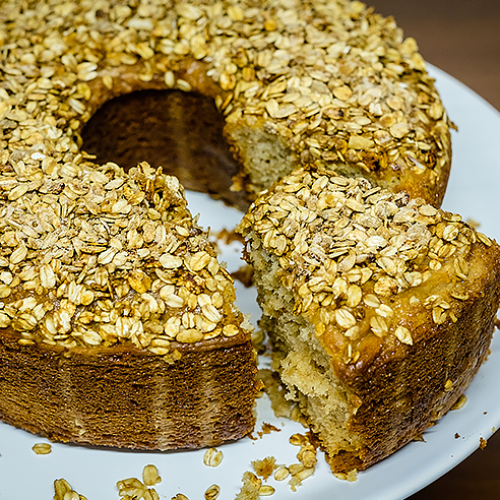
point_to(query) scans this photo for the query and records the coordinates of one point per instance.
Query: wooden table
(462, 37)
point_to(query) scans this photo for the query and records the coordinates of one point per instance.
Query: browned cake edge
(407, 389)
(130, 398)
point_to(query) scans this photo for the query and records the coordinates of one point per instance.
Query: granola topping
(335, 80)
(345, 249)
(93, 257)
(99, 257)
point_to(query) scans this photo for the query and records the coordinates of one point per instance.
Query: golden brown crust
(122, 396)
(385, 300)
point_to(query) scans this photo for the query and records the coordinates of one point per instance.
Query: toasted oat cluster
(341, 244)
(97, 257)
(323, 81)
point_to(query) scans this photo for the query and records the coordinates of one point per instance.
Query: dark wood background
(461, 37)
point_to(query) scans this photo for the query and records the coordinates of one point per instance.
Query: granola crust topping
(346, 249)
(96, 257)
(337, 82)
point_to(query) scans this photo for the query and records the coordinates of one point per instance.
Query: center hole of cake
(179, 131)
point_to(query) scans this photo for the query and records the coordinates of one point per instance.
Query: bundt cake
(118, 325)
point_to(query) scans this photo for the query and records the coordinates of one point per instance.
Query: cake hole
(179, 131)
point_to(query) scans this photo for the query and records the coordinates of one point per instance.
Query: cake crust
(126, 397)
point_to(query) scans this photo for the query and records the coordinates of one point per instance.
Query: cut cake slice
(380, 308)
(118, 325)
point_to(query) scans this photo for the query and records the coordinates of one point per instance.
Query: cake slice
(380, 308)
(118, 325)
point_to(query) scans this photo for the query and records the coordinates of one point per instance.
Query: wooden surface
(462, 37)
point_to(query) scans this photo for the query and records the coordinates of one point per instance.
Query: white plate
(94, 473)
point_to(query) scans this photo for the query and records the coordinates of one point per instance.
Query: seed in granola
(378, 326)
(170, 261)
(63, 491)
(403, 334)
(230, 330)
(439, 315)
(212, 492)
(151, 494)
(266, 490)
(299, 474)
(371, 300)
(344, 318)
(281, 473)
(484, 239)
(460, 402)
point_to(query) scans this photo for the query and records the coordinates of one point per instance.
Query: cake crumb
(228, 237)
(250, 488)
(420, 438)
(244, 275)
(265, 467)
(482, 443)
(267, 429)
(281, 406)
(497, 323)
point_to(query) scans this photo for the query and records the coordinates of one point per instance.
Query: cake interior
(302, 363)
(179, 131)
